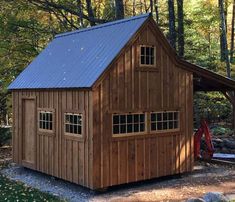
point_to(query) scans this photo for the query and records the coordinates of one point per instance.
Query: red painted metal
(204, 129)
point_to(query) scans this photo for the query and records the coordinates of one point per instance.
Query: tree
(224, 49)
(180, 28)
(119, 9)
(232, 33)
(156, 10)
(172, 32)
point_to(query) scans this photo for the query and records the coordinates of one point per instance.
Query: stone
(215, 197)
(195, 200)
(229, 144)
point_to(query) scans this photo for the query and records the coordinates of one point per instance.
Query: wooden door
(29, 133)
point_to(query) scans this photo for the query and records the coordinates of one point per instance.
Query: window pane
(116, 119)
(170, 124)
(80, 130)
(75, 129)
(152, 52)
(116, 129)
(170, 116)
(40, 124)
(142, 50)
(159, 116)
(175, 124)
(142, 117)
(152, 60)
(66, 118)
(50, 117)
(71, 128)
(136, 118)
(129, 128)
(142, 127)
(79, 120)
(41, 116)
(44, 116)
(123, 128)
(153, 117)
(129, 118)
(50, 125)
(153, 126)
(147, 60)
(143, 60)
(123, 119)
(159, 126)
(67, 128)
(164, 116)
(43, 125)
(75, 119)
(164, 125)
(147, 51)
(136, 127)
(175, 115)
(71, 118)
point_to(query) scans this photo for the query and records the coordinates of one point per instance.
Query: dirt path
(204, 179)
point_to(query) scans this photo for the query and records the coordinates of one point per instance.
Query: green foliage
(5, 136)
(212, 106)
(15, 191)
(219, 130)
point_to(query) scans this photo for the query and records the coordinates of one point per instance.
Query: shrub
(5, 135)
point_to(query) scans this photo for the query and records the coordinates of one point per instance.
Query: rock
(215, 197)
(195, 200)
(229, 144)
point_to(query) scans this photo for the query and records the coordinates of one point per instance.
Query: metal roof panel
(77, 59)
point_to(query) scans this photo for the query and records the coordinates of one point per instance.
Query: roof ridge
(102, 25)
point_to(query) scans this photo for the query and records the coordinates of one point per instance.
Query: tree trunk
(119, 9)
(151, 6)
(90, 12)
(232, 34)
(180, 27)
(224, 36)
(156, 10)
(172, 32)
(80, 16)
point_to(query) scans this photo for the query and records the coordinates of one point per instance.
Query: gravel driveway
(205, 178)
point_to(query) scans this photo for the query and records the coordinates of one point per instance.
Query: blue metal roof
(77, 59)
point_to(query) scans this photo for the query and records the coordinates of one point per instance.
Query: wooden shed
(108, 105)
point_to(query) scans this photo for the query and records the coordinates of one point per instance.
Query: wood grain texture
(131, 88)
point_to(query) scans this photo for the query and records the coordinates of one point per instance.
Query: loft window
(46, 120)
(165, 121)
(147, 55)
(128, 123)
(73, 123)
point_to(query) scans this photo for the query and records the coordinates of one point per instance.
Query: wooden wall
(57, 155)
(126, 87)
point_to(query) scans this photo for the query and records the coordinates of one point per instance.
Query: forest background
(201, 31)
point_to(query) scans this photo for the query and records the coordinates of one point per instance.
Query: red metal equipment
(204, 129)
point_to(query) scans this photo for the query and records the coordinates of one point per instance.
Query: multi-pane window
(73, 123)
(45, 120)
(128, 123)
(164, 121)
(147, 55)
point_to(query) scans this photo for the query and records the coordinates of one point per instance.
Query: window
(161, 121)
(45, 120)
(73, 123)
(128, 123)
(147, 55)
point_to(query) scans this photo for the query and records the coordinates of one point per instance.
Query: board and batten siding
(56, 154)
(127, 87)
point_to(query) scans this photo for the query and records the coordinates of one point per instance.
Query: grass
(18, 192)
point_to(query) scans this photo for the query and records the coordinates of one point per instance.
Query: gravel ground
(205, 178)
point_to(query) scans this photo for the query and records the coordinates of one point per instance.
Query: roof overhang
(206, 80)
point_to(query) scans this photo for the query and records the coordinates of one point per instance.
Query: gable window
(73, 123)
(128, 123)
(147, 55)
(165, 121)
(46, 120)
